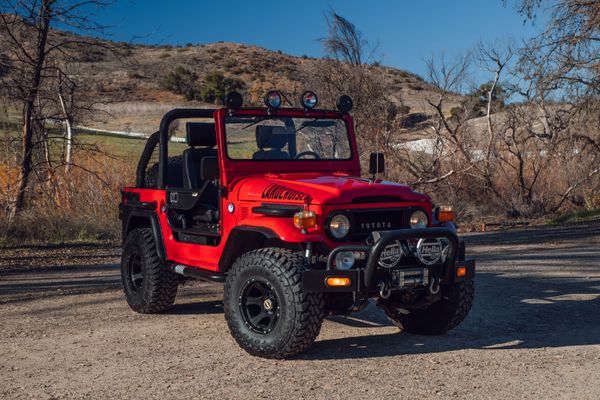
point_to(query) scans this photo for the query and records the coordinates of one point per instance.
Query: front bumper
(369, 278)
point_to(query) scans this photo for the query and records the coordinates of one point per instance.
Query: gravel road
(533, 333)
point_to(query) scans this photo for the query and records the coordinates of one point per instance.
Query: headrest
(209, 168)
(272, 137)
(201, 134)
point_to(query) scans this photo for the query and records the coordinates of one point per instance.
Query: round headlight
(339, 226)
(309, 100)
(344, 260)
(418, 219)
(273, 99)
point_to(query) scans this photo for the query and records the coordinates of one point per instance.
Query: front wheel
(267, 311)
(438, 318)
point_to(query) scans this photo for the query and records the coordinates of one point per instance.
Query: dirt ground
(533, 333)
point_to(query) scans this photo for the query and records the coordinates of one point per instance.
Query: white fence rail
(134, 135)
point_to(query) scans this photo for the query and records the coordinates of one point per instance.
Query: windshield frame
(308, 116)
(232, 170)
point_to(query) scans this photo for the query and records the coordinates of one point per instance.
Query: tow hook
(434, 286)
(384, 290)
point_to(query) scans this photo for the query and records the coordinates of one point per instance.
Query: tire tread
(309, 315)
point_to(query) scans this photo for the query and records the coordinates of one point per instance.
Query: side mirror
(376, 163)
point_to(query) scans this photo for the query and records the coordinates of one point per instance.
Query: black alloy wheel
(259, 304)
(135, 272)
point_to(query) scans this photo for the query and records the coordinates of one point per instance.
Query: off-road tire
(438, 318)
(174, 169)
(301, 313)
(157, 290)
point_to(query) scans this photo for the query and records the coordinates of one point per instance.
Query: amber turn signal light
(461, 272)
(445, 214)
(337, 281)
(305, 219)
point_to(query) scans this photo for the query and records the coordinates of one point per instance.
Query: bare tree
(344, 42)
(15, 30)
(451, 135)
(25, 28)
(570, 42)
(66, 92)
(350, 68)
(494, 58)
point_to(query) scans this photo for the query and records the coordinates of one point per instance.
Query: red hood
(321, 189)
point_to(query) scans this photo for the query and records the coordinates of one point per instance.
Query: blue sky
(406, 31)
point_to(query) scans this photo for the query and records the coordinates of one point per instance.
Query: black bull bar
(363, 279)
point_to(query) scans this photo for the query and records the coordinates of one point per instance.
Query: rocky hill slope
(128, 77)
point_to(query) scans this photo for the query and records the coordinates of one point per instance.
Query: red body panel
(324, 186)
(321, 188)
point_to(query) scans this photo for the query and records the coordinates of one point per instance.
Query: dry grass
(79, 206)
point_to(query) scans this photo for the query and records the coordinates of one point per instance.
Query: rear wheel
(268, 312)
(438, 318)
(148, 285)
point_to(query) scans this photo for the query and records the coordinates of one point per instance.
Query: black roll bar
(165, 122)
(140, 174)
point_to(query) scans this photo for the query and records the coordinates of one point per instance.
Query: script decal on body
(278, 192)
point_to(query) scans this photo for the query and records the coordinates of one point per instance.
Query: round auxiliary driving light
(418, 219)
(309, 100)
(339, 226)
(273, 99)
(234, 101)
(344, 104)
(344, 260)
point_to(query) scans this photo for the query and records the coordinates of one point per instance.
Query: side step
(197, 273)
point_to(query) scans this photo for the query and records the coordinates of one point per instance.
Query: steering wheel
(308, 153)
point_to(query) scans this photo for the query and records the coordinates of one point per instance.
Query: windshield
(286, 138)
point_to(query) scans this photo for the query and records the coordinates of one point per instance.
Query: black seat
(272, 138)
(198, 134)
(201, 170)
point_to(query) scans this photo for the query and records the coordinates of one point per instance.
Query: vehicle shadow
(510, 311)
(534, 235)
(197, 308)
(55, 281)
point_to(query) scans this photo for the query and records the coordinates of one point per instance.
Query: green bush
(216, 86)
(213, 89)
(182, 81)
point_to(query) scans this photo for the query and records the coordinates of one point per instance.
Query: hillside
(138, 70)
(128, 77)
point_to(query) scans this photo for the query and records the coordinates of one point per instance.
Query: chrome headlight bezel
(339, 226)
(418, 219)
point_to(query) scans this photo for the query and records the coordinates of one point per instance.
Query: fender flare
(242, 239)
(137, 218)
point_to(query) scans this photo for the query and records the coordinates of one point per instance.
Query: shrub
(229, 64)
(216, 86)
(455, 113)
(182, 81)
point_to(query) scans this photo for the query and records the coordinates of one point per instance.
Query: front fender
(283, 229)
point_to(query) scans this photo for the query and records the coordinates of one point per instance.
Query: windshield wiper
(306, 124)
(260, 119)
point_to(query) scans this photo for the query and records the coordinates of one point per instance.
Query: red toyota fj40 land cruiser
(271, 201)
